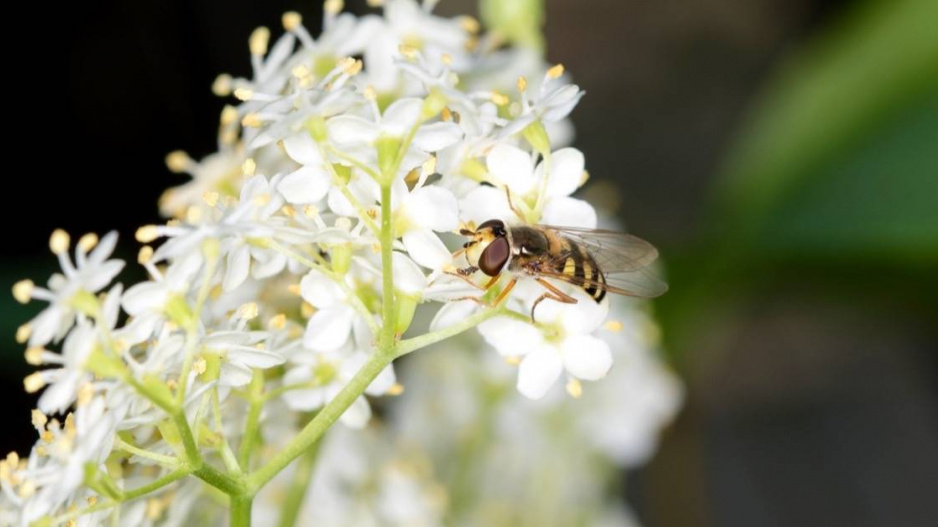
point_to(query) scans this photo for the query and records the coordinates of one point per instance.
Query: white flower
(326, 374)
(553, 102)
(330, 327)
(213, 173)
(240, 351)
(149, 299)
(89, 274)
(560, 342)
(512, 168)
(420, 212)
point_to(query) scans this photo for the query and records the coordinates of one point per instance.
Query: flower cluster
(290, 272)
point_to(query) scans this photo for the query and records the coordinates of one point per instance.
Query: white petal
(485, 203)
(46, 325)
(538, 372)
(434, 208)
(566, 172)
(511, 166)
(142, 297)
(267, 264)
(234, 374)
(586, 357)
(239, 263)
(60, 394)
(104, 248)
(569, 212)
(350, 129)
(437, 136)
(329, 329)
(320, 291)
(256, 358)
(510, 337)
(408, 278)
(103, 275)
(400, 116)
(309, 184)
(452, 313)
(426, 248)
(302, 148)
(357, 415)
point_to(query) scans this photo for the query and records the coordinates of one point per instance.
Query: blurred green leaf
(819, 123)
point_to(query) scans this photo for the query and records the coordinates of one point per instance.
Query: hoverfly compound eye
(495, 256)
(497, 227)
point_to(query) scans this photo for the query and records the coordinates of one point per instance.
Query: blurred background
(782, 153)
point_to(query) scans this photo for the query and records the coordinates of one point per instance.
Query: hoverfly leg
(464, 274)
(512, 205)
(504, 294)
(553, 294)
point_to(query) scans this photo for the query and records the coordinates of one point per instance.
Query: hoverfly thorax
(490, 247)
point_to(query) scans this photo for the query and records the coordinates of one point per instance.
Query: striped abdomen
(582, 270)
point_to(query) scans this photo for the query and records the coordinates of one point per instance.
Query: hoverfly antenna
(466, 232)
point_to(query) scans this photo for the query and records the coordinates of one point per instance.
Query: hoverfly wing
(641, 283)
(613, 251)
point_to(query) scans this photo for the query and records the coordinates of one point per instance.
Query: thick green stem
(387, 271)
(296, 494)
(241, 511)
(254, 414)
(323, 420)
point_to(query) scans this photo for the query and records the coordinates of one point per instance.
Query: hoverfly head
(489, 249)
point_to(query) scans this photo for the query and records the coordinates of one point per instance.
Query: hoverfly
(598, 261)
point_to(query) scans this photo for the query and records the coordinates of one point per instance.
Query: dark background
(805, 331)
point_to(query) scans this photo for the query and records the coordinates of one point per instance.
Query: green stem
(323, 420)
(221, 481)
(409, 345)
(193, 454)
(241, 511)
(127, 496)
(254, 414)
(387, 270)
(167, 461)
(296, 494)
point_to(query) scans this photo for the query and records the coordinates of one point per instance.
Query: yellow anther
(294, 289)
(396, 389)
(48, 436)
(514, 360)
(310, 211)
(23, 333)
(447, 59)
(408, 51)
(343, 224)
(147, 233)
(88, 242)
(210, 197)
(278, 321)
(193, 215)
(575, 388)
(199, 366)
(258, 41)
(291, 20)
(261, 199)
(555, 72)
(222, 85)
(33, 382)
(247, 311)
(175, 222)
(92, 500)
(27, 489)
(229, 114)
(248, 167)
(288, 211)
(333, 7)
(41, 451)
(375, 3)
(350, 66)
(446, 114)
(469, 24)
(177, 161)
(499, 98)
(34, 355)
(145, 255)
(23, 291)
(584, 178)
(251, 120)
(85, 393)
(522, 84)
(228, 137)
(301, 71)
(370, 93)
(244, 94)
(614, 326)
(39, 419)
(307, 310)
(59, 241)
